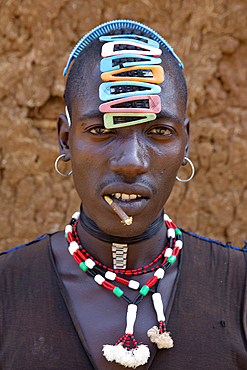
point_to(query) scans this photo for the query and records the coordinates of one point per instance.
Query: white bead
(159, 273)
(168, 252)
(90, 263)
(179, 244)
(131, 318)
(171, 233)
(76, 215)
(167, 218)
(158, 306)
(110, 275)
(73, 246)
(99, 279)
(68, 229)
(134, 284)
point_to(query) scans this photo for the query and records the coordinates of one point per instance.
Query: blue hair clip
(138, 38)
(119, 61)
(107, 27)
(122, 89)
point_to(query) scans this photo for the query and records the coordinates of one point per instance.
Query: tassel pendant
(126, 351)
(159, 335)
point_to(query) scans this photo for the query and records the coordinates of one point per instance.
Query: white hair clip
(67, 115)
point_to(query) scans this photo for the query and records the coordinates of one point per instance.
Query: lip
(130, 207)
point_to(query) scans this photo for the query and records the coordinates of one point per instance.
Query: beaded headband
(107, 27)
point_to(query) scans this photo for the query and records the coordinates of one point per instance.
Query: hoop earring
(56, 168)
(192, 169)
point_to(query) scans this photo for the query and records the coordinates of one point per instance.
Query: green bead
(144, 290)
(171, 259)
(178, 232)
(117, 291)
(65, 235)
(83, 266)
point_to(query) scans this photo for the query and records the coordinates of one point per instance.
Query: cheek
(165, 165)
(85, 165)
(167, 159)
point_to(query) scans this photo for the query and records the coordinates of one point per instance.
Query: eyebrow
(93, 114)
(168, 115)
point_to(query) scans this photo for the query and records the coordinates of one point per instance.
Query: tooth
(125, 196)
(139, 196)
(133, 196)
(117, 195)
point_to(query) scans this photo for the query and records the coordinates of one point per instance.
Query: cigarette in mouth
(125, 218)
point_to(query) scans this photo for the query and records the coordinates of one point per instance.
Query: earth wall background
(36, 38)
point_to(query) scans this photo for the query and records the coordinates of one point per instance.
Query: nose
(130, 157)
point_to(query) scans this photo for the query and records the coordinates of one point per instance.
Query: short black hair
(92, 52)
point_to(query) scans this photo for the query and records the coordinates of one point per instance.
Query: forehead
(87, 99)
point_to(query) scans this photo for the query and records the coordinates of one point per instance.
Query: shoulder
(209, 251)
(20, 259)
(25, 272)
(202, 240)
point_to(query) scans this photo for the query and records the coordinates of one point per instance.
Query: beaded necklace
(126, 351)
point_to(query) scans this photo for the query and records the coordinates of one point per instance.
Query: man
(56, 316)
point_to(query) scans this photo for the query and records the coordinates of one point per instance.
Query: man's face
(138, 162)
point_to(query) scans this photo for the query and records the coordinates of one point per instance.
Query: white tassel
(161, 337)
(163, 340)
(112, 352)
(129, 358)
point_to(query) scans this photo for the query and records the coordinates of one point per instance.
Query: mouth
(132, 198)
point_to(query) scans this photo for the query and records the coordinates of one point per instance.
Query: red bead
(151, 281)
(69, 237)
(121, 280)
(81, 255)
(77, 259)
(108, 285)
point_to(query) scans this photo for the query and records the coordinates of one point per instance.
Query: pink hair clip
(109, 49)
(133, 104)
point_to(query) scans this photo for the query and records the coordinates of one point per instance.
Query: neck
(139, 254)
(91, 227)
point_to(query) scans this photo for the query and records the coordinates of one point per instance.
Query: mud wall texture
(210, 36)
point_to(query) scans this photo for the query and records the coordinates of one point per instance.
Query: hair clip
(67, 115)
(152, 74)
(139, 38)
(118, 24)
(126, 60)
(122, 89)
(116, 120)
(109, 49)
(133, 104)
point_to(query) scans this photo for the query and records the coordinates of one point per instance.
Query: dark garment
(206, 314)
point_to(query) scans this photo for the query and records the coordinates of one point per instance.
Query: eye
(99, 130)
(162, 131)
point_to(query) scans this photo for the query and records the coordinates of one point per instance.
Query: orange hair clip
(146, 71)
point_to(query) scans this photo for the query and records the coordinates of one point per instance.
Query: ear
(63, 136)
(187, 135)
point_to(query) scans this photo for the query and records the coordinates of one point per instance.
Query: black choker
(91, 228)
